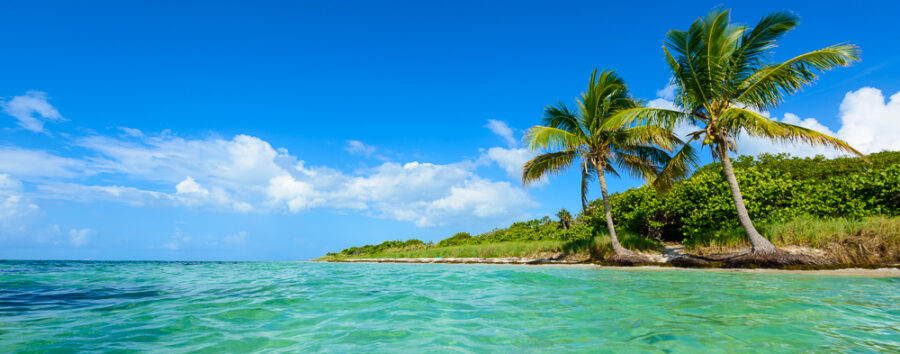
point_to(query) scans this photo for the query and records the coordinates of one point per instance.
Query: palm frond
(648, 135)
(639, 116)
(768, 86)
(642, 163)
(539, 137)
(560, 117)
(552, 163)
(759, 126)
(758, 42)
(793, 133)
(676, 168)
(735, 119)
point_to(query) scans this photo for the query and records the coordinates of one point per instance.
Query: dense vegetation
(776, 189)
(383, 247)
(845, 206)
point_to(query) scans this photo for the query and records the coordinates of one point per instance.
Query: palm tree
(565, 218)
(723, 82)
(583, 137)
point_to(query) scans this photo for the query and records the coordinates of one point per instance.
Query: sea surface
(303, 307)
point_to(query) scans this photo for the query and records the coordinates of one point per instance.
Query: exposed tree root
(628, 259)
(775, 259)
(690, 261)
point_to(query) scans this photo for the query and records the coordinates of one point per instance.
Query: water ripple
(290, 307)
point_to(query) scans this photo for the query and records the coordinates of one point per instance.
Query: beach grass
(869, 240)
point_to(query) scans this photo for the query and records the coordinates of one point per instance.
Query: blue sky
(281, 131)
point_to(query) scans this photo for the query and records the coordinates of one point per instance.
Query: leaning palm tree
(723, 81)
(583, 137)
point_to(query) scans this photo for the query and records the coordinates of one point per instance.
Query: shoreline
(882, 271)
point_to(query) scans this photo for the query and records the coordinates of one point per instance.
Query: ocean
(72, 306)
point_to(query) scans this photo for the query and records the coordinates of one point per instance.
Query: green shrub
(461, 238)
(369, 250)
(776, 189)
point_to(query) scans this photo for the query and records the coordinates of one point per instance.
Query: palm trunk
(584, 185)
(759, 243)
(617, 247)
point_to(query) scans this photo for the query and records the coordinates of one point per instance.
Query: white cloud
(502, 130)
(868, 123)
(247, 174)
(14, 204)
(79, 237)
(88, 193)
(189, 192)
(190, 187)
(298, 195)
(479, 198)
(430, 194)
(25, 164)
(510, 160)
(667, 93)
(32, 110)
(243, 160)
(357, 147)
(131, 132)
(663, 103)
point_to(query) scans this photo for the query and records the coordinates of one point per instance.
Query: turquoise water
(290, 307)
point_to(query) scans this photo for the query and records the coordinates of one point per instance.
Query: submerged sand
(885, 272)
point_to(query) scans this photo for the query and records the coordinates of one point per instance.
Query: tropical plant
(723, 81)
(565, 218)
(700, 209)
(584, 137)
(458, 239)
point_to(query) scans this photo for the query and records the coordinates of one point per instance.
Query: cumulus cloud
(79, 237)
(479, 198)
(431, 194)
(356, 147)
(502, 130)
(510, 160)
(32, 110)
(246, 174)
(869, 123)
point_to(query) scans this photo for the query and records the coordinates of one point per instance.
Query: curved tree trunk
(617, 247)
(759, 243)
(585, 176)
